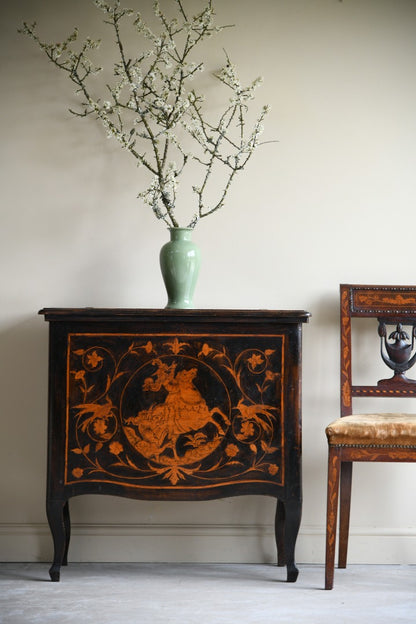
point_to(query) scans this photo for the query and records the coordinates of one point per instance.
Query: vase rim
(178, 227)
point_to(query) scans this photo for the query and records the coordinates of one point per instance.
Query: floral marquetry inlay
(174, 411)
(345, 355)
(375, 300)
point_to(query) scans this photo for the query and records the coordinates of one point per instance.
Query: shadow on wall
(320, 355)
(325, 311)
(320, 391)
(23, 409)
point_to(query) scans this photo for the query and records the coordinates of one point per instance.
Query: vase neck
(178, 233)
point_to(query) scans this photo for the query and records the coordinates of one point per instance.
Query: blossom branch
(150, 99)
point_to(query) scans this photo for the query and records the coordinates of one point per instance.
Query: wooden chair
(370, 437)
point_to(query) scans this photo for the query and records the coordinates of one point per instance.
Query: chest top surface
(200, 315)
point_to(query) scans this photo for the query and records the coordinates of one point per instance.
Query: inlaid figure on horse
(183, 410)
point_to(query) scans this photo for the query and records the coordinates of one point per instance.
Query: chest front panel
(171, 410)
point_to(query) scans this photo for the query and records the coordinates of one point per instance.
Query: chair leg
(334, 462)
(344, 512)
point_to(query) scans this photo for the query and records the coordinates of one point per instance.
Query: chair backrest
(395, 309)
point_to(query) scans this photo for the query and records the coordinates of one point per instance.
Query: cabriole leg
(67, 523)
(58, 518)
(279, 529)
(293, 514)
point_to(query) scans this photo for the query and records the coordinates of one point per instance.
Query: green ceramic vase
(179, 263)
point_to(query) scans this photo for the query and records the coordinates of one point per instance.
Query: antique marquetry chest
(175, 405)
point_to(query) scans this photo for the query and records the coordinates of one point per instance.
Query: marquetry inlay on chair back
(394, 308)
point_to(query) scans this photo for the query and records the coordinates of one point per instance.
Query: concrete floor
(148, 593)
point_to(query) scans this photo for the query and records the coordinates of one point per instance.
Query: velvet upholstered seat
(374, 430)
(374, 436)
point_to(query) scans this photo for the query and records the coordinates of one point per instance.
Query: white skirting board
(199, 544)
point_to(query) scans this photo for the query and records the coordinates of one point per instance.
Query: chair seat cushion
(383, 430)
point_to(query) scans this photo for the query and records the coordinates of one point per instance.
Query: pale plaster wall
(331, 202)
